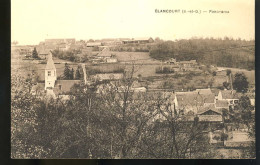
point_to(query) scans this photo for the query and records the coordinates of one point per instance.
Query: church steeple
(50, 73)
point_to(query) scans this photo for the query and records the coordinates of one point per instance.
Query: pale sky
(33, 21)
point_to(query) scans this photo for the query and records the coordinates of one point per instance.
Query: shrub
(91, 71)
(164, 70)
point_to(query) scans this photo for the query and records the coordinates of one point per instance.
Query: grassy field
(137, 57)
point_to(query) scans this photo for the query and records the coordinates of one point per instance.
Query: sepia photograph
(139, 79)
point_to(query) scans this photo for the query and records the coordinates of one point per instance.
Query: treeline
(70, 55)
(220, 52)
(132, 47)
(164, 70)
(69, 74)
(93, 71)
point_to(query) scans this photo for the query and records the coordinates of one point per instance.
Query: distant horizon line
(177, 39)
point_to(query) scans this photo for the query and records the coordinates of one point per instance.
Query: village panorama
(133, 98)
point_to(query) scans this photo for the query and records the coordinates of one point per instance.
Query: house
(106, 56)
(143, 40)
(229, 95)
(210, 114)
(222, 104)
(105, 53)
(206, 91)
(192, 101)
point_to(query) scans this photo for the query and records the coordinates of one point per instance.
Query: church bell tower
(50, 73)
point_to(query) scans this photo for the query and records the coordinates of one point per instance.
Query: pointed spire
(50, 63)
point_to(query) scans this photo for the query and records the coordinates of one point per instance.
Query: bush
(91, 71)
(164, 70)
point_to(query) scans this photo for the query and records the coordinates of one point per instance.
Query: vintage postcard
(139, 79)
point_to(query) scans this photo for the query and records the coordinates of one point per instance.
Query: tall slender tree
(66, 72)
(35, 53)
(77, 74)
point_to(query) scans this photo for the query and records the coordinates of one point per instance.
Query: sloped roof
(50, 64)
(65, 85)
(221, 103)
(229, 94)
(210, 118)
(215, 91)
(105, 53)
(204, 91)
(211, 107)
(193, 98)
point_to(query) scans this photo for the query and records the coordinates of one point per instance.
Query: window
(49, 73)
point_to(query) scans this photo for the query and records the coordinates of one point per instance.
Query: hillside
(218, 52)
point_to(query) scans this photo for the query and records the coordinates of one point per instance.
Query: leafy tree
(25, 141)
(240, 82)
(243, 114)
(67, 72)
(244, 103)
(245, 110)
(35, 54)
